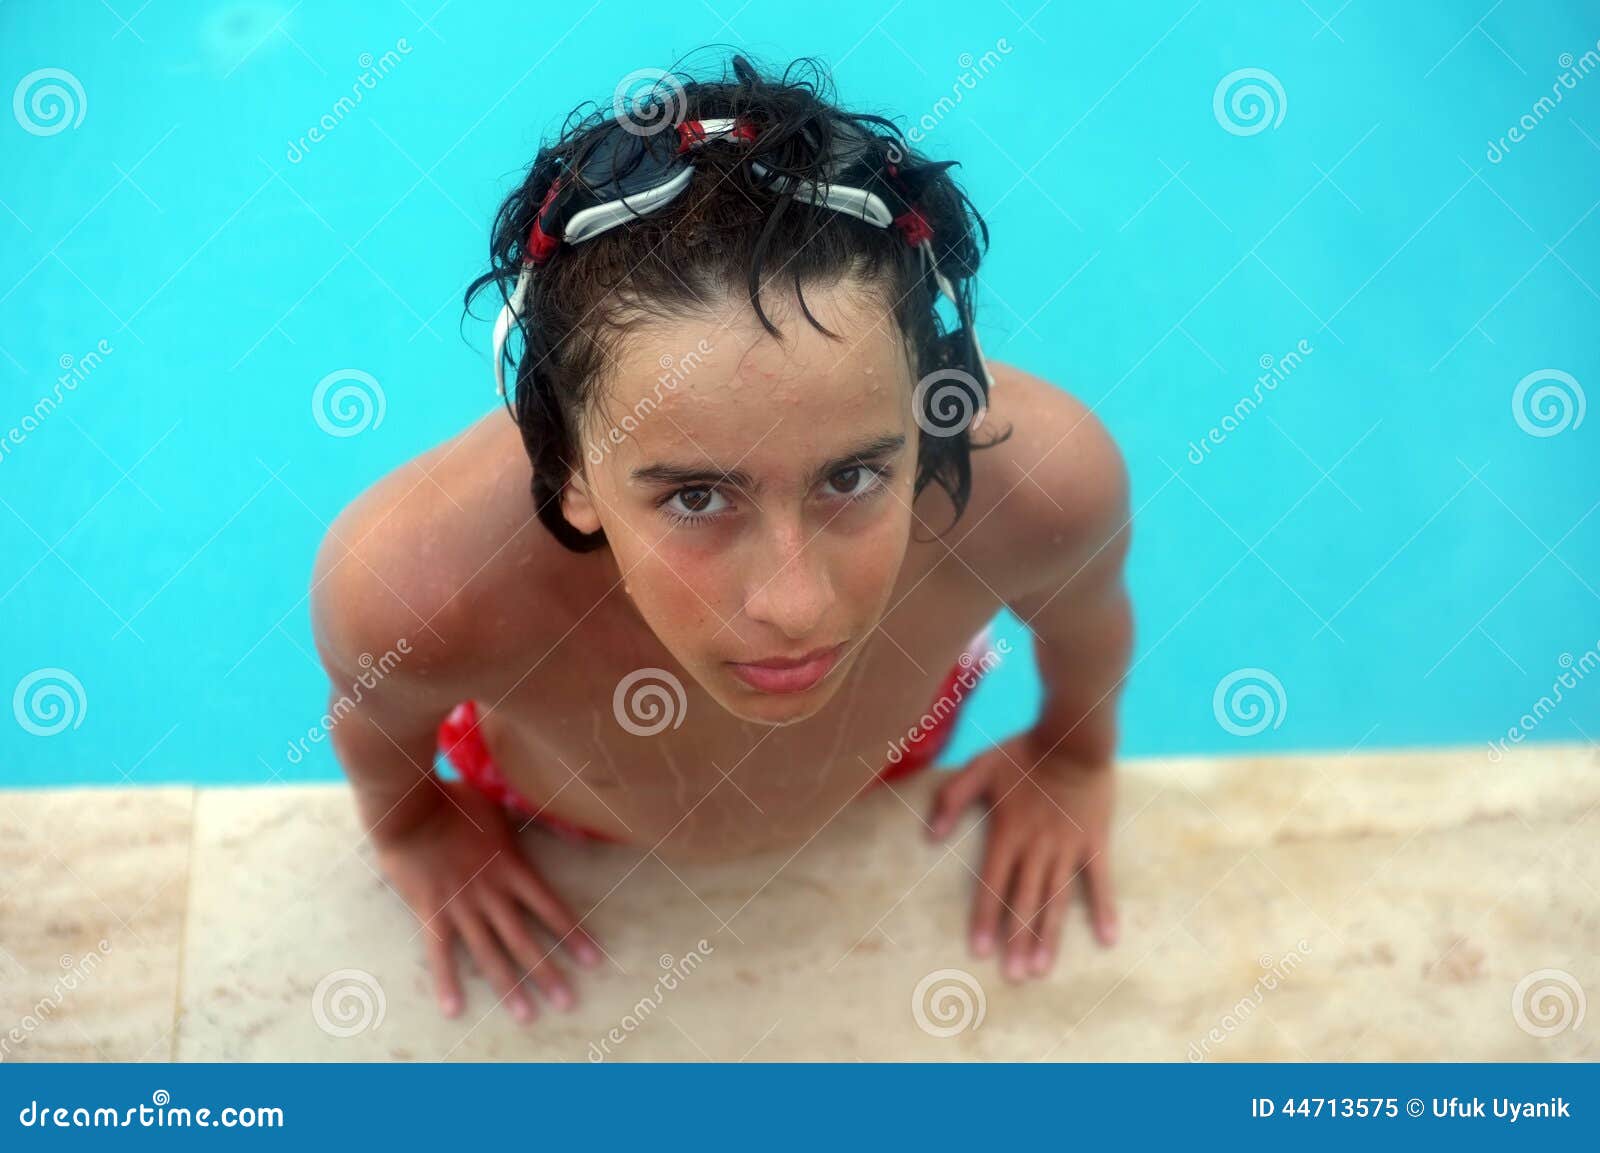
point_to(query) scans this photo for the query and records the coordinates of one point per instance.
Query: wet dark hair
(728, 228)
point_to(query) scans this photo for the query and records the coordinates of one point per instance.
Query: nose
(790, 588)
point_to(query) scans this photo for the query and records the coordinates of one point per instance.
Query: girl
(695, 588)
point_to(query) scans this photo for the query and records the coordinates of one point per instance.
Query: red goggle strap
(912, 225)
(541, 246)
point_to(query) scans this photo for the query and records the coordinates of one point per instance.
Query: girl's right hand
(460, 869)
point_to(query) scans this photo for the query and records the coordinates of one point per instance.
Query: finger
(509, 922)
(954, 796)
(988, 902)
(1102, 897)
(553, 913)
(1056, 903)
(493, 964)
(441, 956)
(1026, 896)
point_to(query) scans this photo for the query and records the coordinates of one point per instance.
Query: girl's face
(756, 495)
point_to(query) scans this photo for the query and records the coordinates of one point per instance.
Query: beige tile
(92, 892)
(1372, 907)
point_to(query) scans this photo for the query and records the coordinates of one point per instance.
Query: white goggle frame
(590, 222)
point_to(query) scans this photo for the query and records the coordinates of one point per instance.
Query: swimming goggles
(626, 174)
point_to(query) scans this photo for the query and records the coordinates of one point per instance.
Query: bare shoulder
(443, 553)
(1050, 496)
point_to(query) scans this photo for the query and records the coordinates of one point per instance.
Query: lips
(788, 675)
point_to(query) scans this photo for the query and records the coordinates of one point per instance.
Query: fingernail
(1041, 960)
(450, 1006)
(1015, 968)
(561, 997)
(983, 944)
(587, 953)
(521, 1010)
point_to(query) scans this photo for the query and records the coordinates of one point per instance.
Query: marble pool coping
(1415, 904)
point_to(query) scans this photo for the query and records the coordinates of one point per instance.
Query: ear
(577, 506)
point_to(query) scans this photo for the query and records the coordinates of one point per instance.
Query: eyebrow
(685, 475)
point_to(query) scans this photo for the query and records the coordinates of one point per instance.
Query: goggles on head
(626, 174)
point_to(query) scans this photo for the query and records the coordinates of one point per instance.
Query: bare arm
(385, 714)
(449, 852)
(1083, 629)
(1050, 789)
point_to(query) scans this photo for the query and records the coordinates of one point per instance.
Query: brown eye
(694, 505)
(850, 478)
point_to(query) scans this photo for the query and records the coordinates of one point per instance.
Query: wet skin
(743, 522)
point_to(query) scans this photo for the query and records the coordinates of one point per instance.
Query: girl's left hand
(1049, 823)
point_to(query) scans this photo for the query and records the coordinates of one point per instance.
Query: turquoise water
(1404, 554)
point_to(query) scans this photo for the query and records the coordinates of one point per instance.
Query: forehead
(719, 386)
